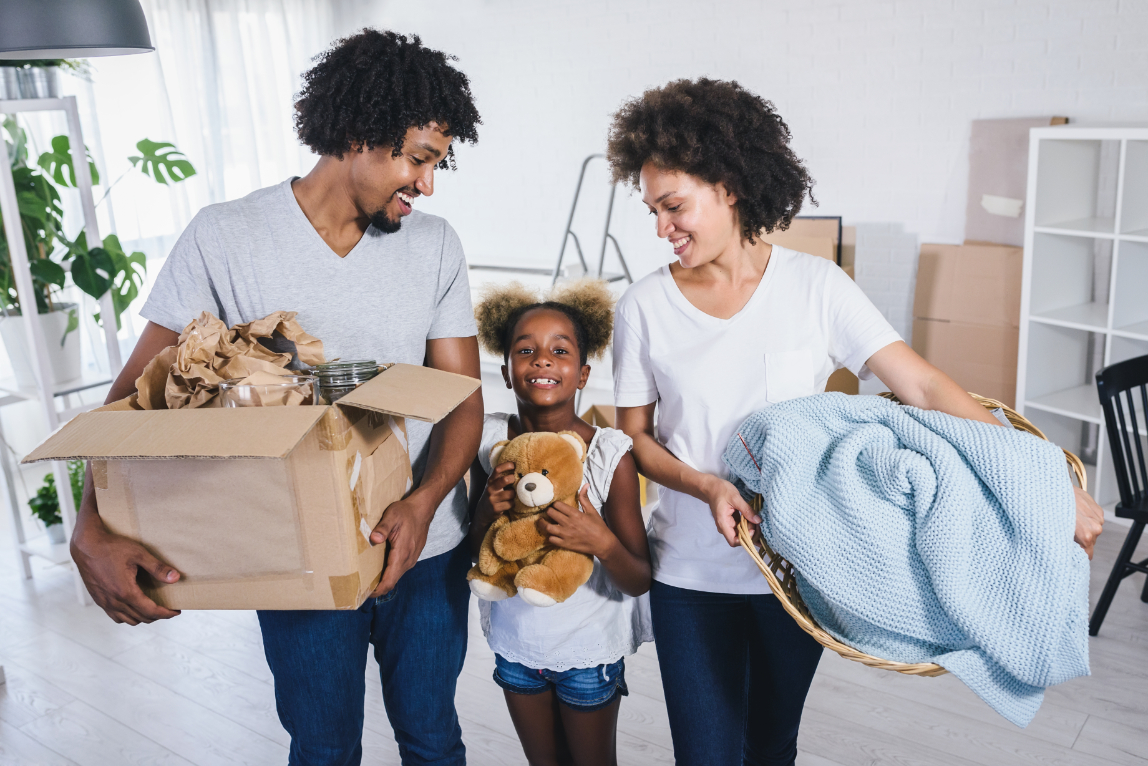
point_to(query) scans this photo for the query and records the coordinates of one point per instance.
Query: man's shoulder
(240, 212)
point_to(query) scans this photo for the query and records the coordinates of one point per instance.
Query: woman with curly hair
(734, 326)
(562, 667)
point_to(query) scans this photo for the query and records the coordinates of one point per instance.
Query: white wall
(878, 95)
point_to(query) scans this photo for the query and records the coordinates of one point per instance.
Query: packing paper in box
(208, 353)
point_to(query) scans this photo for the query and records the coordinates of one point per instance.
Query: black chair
(1122, 386)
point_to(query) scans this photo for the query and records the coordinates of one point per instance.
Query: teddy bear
(515, 557)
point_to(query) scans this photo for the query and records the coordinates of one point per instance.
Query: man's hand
(1089, 521)
(725, 501)
(109, 565)
(404, 527)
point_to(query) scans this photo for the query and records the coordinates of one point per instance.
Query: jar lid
(345, 367)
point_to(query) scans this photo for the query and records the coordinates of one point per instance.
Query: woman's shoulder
(806, 268)
(638, 295)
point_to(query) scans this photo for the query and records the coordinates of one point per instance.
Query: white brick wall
(879, 97)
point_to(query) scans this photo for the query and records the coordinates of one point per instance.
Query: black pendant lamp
(67, 29)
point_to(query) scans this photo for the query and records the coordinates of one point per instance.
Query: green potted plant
(45, 504)
(52, 256)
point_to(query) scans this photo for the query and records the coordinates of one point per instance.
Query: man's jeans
(319, 660)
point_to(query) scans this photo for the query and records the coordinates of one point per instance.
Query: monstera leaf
(48, 272)
(92, 270)
(17, 142)
(162, 161)
(58, 163)
(128, 278)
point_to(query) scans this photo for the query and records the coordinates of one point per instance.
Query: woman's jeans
(735, 669)
(319, 660)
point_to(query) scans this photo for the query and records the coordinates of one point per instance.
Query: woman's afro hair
(719, 132)
(371, 88)
(588, 303)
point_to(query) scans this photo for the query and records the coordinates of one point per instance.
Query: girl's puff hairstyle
(587, 303)
(721, 133)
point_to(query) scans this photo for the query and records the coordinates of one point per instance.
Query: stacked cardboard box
(966, 315)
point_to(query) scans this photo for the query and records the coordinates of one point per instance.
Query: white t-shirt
(599, 624)
(806, 319)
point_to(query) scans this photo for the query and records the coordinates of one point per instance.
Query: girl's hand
(725, 501)
(580, 531)
(500, 489)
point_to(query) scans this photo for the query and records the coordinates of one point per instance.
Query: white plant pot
(55, 534)
(64, 359)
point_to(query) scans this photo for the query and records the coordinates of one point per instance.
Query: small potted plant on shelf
(45, 504)
(52, 256)
(39, 78)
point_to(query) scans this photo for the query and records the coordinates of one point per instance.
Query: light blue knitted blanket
(921, 537)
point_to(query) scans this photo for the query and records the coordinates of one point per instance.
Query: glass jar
(334, 380)
(290, 390)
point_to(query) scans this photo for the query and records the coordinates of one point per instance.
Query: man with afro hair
(374, 279)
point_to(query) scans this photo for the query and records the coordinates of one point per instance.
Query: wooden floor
(196, 690)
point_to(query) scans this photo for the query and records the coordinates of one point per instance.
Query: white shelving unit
(45, 392)
(1084, 300)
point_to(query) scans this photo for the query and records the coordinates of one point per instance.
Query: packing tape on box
(402, 437)
(334, 430)
(345, 590)
(99, 474)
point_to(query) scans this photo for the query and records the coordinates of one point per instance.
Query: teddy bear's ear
(495, 451)
(575, 441)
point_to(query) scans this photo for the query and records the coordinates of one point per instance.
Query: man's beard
(384, 223)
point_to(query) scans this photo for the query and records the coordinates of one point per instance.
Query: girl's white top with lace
(598, 624)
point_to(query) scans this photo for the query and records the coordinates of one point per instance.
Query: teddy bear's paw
(535, 597)
(487, 592)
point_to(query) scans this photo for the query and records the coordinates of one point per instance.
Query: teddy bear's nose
(531, 487)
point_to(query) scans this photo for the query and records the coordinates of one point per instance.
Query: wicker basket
(779, 572)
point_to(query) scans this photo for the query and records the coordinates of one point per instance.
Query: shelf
(1086, 316)
(1081, 403)
(1140, 235)
(57, 554)
(1138, 331)
(11, 392)
(1104, 228)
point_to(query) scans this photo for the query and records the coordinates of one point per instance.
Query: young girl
(562, 667)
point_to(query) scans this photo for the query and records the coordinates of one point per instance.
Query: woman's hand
(500, 489)
(1089, 520)
(724, 501)
(582, 531)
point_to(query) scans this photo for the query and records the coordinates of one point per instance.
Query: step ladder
(606, 236)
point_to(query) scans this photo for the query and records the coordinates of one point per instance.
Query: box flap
(243, 432)
(412, 391)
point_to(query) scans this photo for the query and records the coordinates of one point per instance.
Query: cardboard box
(813, 235)
(260, 507)
(981, 358)
(979, 284)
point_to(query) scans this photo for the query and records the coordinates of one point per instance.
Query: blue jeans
(735, 670)
(583, 689)
(319, 660)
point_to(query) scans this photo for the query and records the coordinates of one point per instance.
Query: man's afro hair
(372, 87)
(721, 133)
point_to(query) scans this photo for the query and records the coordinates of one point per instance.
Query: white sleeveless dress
(598, 624)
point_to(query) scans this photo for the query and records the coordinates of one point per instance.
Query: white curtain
(220, 86)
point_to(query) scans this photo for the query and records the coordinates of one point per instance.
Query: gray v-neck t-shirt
(245, 259)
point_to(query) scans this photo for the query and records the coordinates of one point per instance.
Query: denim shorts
(584, 689)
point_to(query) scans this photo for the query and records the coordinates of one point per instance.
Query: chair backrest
(1123, 389)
